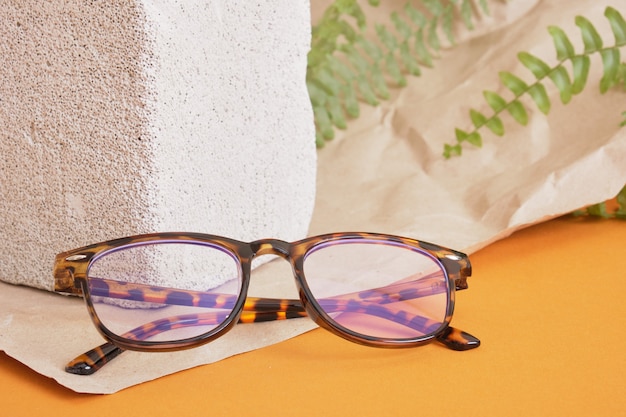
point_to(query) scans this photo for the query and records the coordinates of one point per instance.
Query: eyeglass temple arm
(90, 362)
(269, 309)
(266, 309)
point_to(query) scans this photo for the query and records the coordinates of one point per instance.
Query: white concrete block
(126, 117)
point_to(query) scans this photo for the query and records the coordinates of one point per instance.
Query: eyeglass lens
(164, 291)
(378, 289)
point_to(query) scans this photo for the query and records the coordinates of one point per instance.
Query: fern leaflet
(600, 209)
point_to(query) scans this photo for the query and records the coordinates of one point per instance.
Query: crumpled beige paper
(386, 174)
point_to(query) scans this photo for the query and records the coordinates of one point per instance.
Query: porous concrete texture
(125, 117)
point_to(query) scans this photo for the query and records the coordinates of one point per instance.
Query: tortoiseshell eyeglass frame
(71, 268)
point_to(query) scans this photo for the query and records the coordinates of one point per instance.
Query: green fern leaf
(478, 119)
(447, 21)
(421, 50)
(538, 67)
(366, 71)
(580, 65)
(540, 97)
(394, 70)
(517, 110)
(329, 83)
(339, 68)
(370, 48)
(387, 39)
(473, 138)
(618, 25)
(351, 102)
(415, 16)
(434, 6)
(495, 125)
(323, 122)
(433, 38)
(401, 26)
(320, 140)
(461, 135)
(360, 64)
(350, 8)
(466, 13)
(367, 94)
(451, 150)
(611, 63)
(591, 38)
(379, 83)
(336, 113)
(621, 202)
(598, 210)
(560, 77)
(564, 48)
(621, 76)
(409, 62)
(316, 94)
(495, 101)
(484, 6)
(513, 83)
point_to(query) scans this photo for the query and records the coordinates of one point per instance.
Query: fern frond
(600, 209)
(614, 73)
(346, 67)
(620, 213)
(621, 76)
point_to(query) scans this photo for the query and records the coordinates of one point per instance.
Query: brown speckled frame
(70, 274)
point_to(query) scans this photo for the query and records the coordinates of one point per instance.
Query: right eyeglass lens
(164, 291)
(379, 289)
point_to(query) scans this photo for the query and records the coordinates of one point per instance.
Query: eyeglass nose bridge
(271, 247)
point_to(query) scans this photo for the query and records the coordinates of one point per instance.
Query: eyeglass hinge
(64, 281)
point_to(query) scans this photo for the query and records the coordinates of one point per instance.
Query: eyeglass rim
(324, 320)
(71, 269)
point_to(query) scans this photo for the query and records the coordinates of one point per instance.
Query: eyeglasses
(173, 291)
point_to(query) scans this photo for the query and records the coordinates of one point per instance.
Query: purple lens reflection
(379, 289)
(153, 291)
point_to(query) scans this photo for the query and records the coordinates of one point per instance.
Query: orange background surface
(547, 304)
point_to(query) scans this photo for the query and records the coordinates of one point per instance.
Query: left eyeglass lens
(164, 291)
